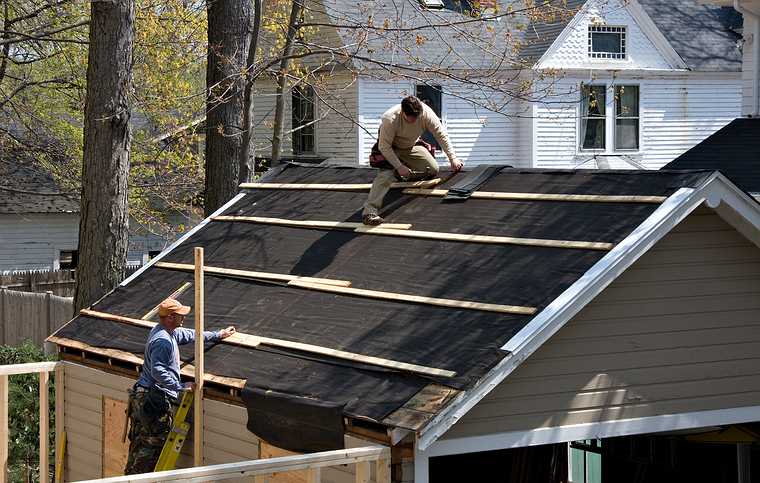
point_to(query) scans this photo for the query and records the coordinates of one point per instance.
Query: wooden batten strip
(488, 239)
(495, 195)
(337, 186)
(404, 230)
(418, 299)
(347, 225)
(253, 341)
(231, 272)
(186, 370)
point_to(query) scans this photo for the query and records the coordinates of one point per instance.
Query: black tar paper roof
(465, 341)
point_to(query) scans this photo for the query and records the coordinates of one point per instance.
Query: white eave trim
(184, 237)
(597, 430)
(735, 206)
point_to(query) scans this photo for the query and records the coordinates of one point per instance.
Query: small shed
(514, 331)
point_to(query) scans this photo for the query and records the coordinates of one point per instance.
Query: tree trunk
(228, 39)
(103, 226)
(248, 152)
(282, 79)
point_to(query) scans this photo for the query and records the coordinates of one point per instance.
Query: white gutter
(755, 55)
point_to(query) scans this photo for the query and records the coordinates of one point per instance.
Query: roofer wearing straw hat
(400, 129)
(151, 399)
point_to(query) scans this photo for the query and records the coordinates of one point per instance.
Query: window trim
(608, 29)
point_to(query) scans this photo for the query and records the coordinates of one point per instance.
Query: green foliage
(23, 412)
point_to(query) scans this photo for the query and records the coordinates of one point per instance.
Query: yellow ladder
(177, 436)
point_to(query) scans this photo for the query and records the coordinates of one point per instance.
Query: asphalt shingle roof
(26, 187)
(733, 150)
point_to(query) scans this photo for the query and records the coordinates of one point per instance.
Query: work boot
(372, 219)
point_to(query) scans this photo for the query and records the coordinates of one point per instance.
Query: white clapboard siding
(479, 135)
(676, 113)
(33, 241)
(336, 136)
(748, 67)
(678, 332)
(337, 133)
(555, 119)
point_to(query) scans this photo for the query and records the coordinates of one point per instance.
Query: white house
(612, 83)
(39, 225)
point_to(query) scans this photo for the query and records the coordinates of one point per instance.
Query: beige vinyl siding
(678, 332)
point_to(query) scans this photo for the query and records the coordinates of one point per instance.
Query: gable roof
(715, 191)
(733, 149)
(26, 188)
(530, 267)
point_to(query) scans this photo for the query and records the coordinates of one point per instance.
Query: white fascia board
(654, 34)
(598, 430)
(184, 237)
(562, 37)
(732, 204)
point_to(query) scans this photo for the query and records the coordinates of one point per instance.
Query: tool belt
(377, 160)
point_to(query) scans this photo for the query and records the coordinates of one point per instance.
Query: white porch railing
(44, 369)
(263, 468)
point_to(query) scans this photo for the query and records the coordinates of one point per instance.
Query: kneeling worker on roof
(159, 385)
(400, 129)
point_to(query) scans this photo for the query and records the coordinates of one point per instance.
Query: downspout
(755, 56)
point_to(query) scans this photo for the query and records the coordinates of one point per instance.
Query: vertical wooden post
(3, 428)
(384, 470)
(44, 416)
(314, 475)
(59, 422)
(362, 472)
(199, 366)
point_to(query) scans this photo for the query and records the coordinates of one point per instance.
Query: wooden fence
(33, 316)
(57, 282)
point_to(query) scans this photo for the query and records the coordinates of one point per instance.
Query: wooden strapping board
(403, 230)
(186, 370)
(495, 195)
(418, 299)
(489, 239)
(231, 272)
(253, 341)
(337, 186)
(318, 224)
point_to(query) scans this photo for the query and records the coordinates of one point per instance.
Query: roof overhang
(732, 204)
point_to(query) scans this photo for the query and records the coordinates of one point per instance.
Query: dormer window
(432, 3)
(605, 42)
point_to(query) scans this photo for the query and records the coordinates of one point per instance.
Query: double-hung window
(303, 120)
(609, 118)
(432, 95)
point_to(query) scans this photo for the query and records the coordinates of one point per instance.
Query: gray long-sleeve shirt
(161, 366)
(396, 132)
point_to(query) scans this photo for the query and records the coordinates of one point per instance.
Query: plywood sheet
(115, 450)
